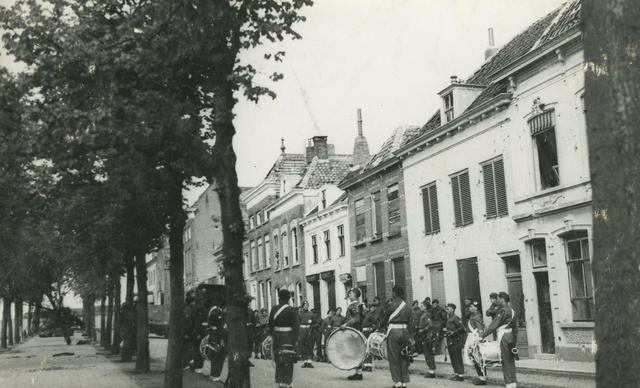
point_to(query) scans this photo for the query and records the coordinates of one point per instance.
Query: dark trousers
(398, 365)
(257, 341)
(428, 351)
(284, 365)
(317, 335)
(217, 363)
(455, 346)
(306, 343)
(508, 342)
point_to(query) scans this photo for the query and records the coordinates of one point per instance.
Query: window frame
(426, 190)
(341, 241)
(448, 106)
(360, 211)
(587, 278)
(327, 243)
(500, 209)
(393, 205)
(314, 248)
(376, 214)
(463, 220)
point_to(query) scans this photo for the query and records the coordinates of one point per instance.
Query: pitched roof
(325, 171)
(288, 164)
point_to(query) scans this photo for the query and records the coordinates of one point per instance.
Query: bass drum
(267, 347)
(377, 345)
(346, 349)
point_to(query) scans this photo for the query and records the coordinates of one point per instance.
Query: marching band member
(283, 324)
(494, 309)
(454, 331)
(353, 319)
(327, 328)
(476, 326)
(397, 338)
(439, 319)
(307, 320)
(316, 332)
(217, 346)
(425, 337)
(505, 326)
(370, 323)
(338, 319)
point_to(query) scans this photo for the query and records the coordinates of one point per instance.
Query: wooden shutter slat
(489, 189)
(435, 216)
(426, 208)
(465, 194)
(501, 189)
(457, 206)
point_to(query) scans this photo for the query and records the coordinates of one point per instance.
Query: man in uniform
(506, 326)
(455, 333)
(338, 319)
(283, 324)
(475, 324)
(465, 310)
(217, 344)
(370, 323)
(326, 328)
(439, 319)
(316, 332)
(398, 336)
(425, 338)
(261, 329)
(353, 319)
(307, 320)
(494, 309)
(251, 330)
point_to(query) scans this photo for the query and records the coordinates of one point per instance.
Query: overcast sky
(388, 57)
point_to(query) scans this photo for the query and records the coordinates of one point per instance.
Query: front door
(380, 286)
(514, 288)
(469, 281)
(544, 311)
(437, 284)
(331, 291)
(316, 296)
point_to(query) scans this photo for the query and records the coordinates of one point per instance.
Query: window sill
(549, 191)
(463, 225)
(375, 238)
(491, 218)
(359, 244)
(394, 235)
(431, 233)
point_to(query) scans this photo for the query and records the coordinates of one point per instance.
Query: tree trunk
(36, 318)
(128, 318)
(233, 233)
(115, 348)
(6, 312)
(17, 332)
(103, 320)
(142, 315)
(612, 92)
(9, 325)
(175, 346)
(92, 318)
(29, 319)
(109, 314)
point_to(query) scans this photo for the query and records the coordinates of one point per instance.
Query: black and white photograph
(319, 193)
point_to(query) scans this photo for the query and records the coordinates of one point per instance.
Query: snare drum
(346, 349)
(377, 345)
(490, 352)
(267, 347)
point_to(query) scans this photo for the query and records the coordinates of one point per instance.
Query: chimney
(489, 52)
(360, 146)
(309, 151)
(454, 79)
(282, 145)
(320, 147)
(359, 122)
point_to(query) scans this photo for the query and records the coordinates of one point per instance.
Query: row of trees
(121, 105)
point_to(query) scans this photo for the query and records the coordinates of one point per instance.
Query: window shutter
(457, 206)
(435, 217)
(501, 189)
(489, 189)
(427, 210)
(465, 195)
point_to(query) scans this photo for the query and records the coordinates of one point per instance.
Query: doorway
(331, 291)
(316, 296)
(469, 281)
(379, 280)
(436, 275)
(547, 342)
(514, 288)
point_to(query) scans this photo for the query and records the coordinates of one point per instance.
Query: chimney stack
(360, 146)
(454, 79)
(489, 52)
(320, 147)
(359, 122)
(282, 145)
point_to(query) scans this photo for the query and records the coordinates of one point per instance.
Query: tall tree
(612, 97)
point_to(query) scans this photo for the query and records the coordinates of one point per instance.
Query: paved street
(33, 364)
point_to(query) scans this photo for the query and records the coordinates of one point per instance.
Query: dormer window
(448, 106)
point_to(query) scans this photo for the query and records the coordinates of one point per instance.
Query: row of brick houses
(492, 193)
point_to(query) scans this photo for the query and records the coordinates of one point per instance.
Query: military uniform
(397, 336)
(316, 332)
(261, 333)
(506, 326)
(338, 320)
(455, 342)
(217, 346)
(327, 328)
(439, 319)
(307, 320)
(426, 339)
(283, 324)
(251, 329)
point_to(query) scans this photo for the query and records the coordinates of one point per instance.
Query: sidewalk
(35, 363)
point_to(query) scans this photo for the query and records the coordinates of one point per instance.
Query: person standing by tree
(505, 325)
(217, 343)
(283, 324)
(454, 332)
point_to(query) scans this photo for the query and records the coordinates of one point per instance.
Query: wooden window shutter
(457, 205)
(489, 189)
(435, 216)
(501, 189)
(465, 195)
(427, 210)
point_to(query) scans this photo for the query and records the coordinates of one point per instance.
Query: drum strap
(397, 311)
(281, 309)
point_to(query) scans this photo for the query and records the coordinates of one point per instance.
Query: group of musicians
(295, 333)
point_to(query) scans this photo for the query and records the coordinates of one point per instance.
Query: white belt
(305, 326)
(397, 326)
(282, 329)
(506, 331)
